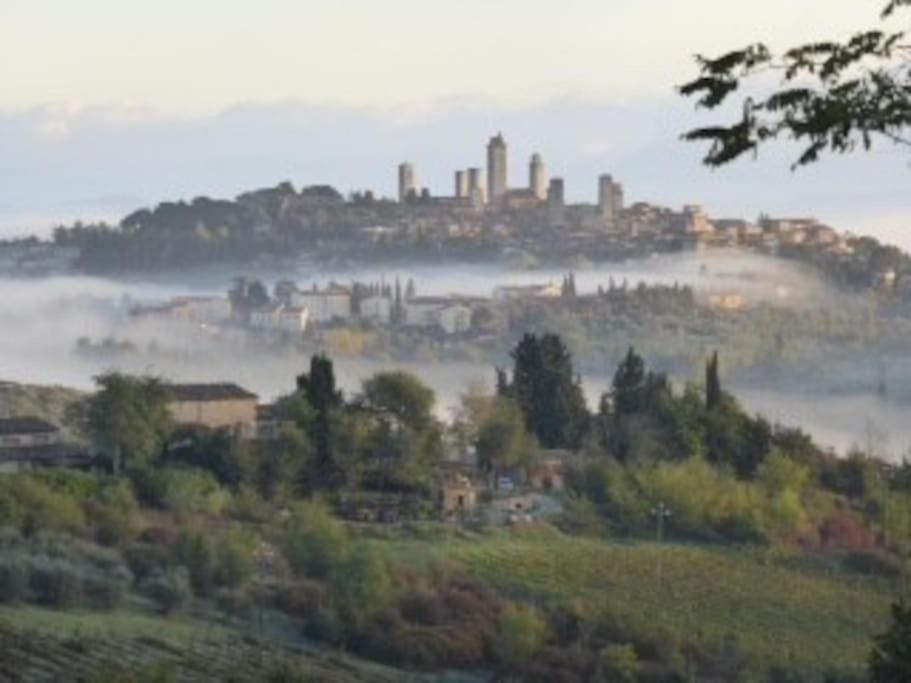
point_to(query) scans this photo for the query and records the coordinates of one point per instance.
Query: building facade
(28, 443)
(216, 406)
(332, 303)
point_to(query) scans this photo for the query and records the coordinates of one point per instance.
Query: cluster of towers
(493, 190)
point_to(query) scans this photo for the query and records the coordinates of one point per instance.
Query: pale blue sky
(106, 104)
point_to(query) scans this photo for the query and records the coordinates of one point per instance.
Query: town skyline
(146, 163)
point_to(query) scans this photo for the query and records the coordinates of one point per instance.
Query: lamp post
(660, 512)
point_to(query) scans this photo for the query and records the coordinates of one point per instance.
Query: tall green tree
(548, 391)
(406, 440)
(833, 96)
(502, 441)
(634, 389)
(890, 660)
(127, 418)
(319, 388)
(712, 383)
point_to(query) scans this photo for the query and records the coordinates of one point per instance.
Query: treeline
(273, 221)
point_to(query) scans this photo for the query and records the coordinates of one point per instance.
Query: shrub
(14, 578)
(144, 559)
(108, 592)
(115, 515)
(56, 582)
(520, 634)
(580, 516)
(842, 530)
(873, 562)
(314, 541)
(233, 560)
(189, 492)
(170, 588)
(360, 584)
(42, 509)
(303, 599)
(236, 603)
(194, 552)
(618, 663)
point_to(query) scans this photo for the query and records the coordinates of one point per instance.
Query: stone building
(216, 406)
(458, 496)
(324, 305)
(30, 442)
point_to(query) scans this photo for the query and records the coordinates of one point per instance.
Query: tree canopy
(832, 96)
(547, 390)
(127, 419)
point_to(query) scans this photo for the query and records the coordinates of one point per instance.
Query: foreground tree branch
(831, 97)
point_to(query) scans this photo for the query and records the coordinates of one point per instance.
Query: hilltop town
(483, 219)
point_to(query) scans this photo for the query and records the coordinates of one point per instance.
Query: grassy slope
(778, 614)
(43, 645)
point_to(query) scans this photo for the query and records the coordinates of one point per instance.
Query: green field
(807, 618)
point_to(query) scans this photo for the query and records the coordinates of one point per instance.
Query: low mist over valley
(839, 400)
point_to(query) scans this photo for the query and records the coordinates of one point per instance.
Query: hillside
(47, 402)
(46, 645)
(774, 610)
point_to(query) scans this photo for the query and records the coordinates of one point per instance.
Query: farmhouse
(216, 406)
(458, 496)
(29, 442)
(331, 303)
(290, 320)
(450, 315)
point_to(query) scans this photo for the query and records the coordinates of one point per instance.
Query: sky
(110, 104)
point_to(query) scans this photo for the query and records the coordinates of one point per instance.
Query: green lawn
(803, 616)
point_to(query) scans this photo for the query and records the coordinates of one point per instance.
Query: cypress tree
(713, 390)
(318, 387)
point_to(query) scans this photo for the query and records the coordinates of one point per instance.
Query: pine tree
(713, 392)
(628, 385)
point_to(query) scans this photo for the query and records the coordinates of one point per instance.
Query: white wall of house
(293, 320)
(454, 319)
(324, 305)
(377, 309)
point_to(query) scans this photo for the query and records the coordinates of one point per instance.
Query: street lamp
(660, 512)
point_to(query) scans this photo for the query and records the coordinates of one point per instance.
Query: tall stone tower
(537, 178)
(610, 199)
(497, 183)
(461, 183)
(556, 203)
(408, 181)
(476, 187)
